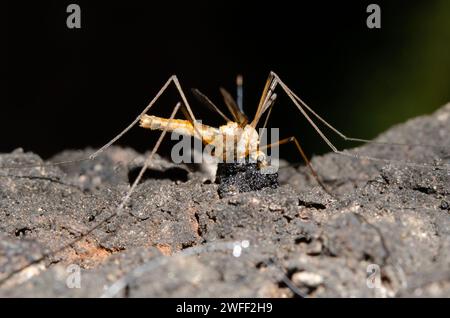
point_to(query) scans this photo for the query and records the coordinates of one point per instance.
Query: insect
(245, 140)
(242, 133)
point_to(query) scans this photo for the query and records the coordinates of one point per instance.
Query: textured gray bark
(391, 215)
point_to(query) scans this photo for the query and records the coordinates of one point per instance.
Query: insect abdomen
(180, 126)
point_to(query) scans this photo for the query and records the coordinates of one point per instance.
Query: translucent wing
(185, 112)
(238, 116)
(208, 103)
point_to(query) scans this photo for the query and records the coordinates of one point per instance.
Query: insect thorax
(236, 143)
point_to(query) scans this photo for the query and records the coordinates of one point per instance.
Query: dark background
(72, 88)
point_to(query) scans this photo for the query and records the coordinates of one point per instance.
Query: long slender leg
(147, 162)
(304, 157)
(334, 129)
(302, 106)
(109, 217)
(173, 79)
(155, 148)
(186, 110)
(134, 122)
(136, 181)
(275, 82)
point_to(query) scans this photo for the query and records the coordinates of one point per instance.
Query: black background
(72, 88)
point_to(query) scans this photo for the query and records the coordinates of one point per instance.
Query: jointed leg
(109, 217)
(173, 79)
(136, 181)
(154, 150)
(302, 106)
(147, 162)
(335, 130)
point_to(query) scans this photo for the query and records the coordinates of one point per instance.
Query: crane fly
(239, 129)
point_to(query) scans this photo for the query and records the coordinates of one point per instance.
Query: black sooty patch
(234, 178)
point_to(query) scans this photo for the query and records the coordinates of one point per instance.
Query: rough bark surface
(167, 241)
